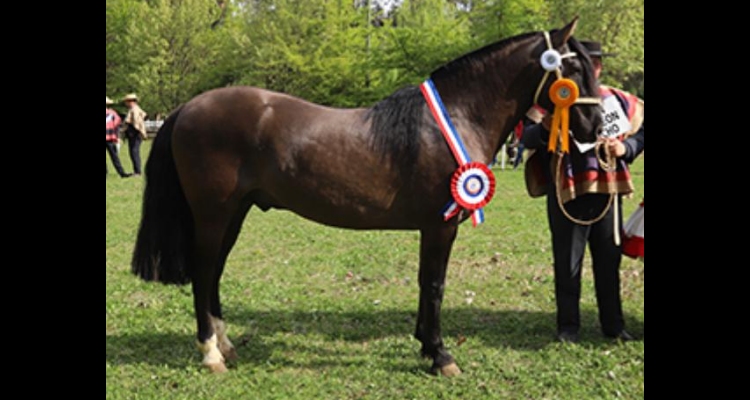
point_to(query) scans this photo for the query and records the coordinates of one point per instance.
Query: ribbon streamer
(473, 184)
(563, 93)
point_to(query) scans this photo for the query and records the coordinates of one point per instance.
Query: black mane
(395, 124)
(588, 78)
(397, 120)
(479, 57)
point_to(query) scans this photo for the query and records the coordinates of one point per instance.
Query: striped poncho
(113, 125)
(581, 173)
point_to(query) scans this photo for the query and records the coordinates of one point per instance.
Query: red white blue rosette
(473, 185)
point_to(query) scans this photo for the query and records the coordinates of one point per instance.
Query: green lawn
(324, 313)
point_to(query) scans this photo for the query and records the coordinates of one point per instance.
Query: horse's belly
(334, 178)
(351, 206)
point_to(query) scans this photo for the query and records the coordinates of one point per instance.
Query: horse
(384, 167)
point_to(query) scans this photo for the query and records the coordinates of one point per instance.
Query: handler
(591, 213)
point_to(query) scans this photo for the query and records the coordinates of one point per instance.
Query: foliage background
(322, 313)
(336, 52)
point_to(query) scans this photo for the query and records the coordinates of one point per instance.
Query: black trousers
(568, 245)
(112, 150)
(134, 145)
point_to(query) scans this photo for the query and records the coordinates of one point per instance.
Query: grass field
(324, 313)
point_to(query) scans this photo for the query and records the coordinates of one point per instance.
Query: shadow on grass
(252, 331)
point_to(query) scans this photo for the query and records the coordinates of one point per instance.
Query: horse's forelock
(588, 79)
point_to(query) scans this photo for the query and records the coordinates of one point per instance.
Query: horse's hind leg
(215, 234)
(230, 237)
(209, 233)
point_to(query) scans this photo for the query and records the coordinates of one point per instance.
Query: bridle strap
(558, 72)
(593, 101)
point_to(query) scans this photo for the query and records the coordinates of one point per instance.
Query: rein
(609, 167)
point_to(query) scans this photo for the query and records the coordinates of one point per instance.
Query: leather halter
(552, 62)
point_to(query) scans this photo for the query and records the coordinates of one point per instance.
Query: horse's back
(284, 152)
(254, 112)
(252, 102)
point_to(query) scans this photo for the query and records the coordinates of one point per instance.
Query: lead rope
(551, 62)
(609, 167)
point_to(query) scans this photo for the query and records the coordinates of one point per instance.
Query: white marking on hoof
(219, 368)
(211, 353)
(225, 346)
(450, 370)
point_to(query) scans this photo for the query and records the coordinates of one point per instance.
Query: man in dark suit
(584, 195)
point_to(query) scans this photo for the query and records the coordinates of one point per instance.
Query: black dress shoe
(623, 335)
(567, 337)
(126, 176)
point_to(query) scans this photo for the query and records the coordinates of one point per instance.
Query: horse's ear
(561, 37)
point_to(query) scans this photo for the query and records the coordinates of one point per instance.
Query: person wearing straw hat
(583, 205)
(113, 138)
(134, 126)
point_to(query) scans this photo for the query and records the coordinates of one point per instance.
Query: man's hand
(615, 147)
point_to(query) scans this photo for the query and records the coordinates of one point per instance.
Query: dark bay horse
(384, 167)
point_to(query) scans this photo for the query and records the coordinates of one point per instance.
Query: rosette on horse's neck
(473, 183)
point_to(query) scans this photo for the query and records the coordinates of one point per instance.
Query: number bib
(616, 120)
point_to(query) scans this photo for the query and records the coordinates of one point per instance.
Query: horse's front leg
(434, 251)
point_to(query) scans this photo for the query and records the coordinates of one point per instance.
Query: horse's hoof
(229, 354)
(217, 368)
(446, 370)
(450, 370)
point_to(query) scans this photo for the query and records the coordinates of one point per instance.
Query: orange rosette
(563, 93)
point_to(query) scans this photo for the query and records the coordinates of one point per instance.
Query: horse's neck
(491, 94)
(485, 117)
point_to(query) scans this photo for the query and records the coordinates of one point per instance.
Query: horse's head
(585, 115)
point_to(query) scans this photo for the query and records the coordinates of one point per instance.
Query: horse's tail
(166, 231)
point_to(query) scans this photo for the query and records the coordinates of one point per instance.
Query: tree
(310, 48)
(618, 25)
(181, 47)
(494, 20)
(336, 52)
(121, 15)
(349, 53)
(167, 50)
(429, 33)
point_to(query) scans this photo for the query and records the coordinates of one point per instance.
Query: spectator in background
(135, 130)
(113, 138)
(533, 116)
